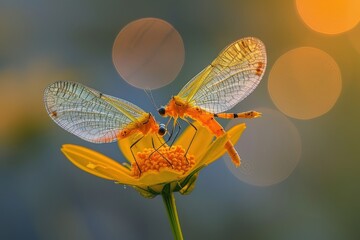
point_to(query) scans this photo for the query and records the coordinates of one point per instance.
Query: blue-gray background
(43, 196)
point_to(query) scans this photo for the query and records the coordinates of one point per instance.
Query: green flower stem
(169, 201)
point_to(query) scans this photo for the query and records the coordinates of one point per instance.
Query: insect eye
(161, 111)
(162, 130)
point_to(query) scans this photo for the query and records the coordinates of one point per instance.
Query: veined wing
(87, 113)
(231, 77)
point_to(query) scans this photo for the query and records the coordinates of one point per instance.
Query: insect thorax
(177, 107)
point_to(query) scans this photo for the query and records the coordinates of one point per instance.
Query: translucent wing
(87, 113)
(231, 77)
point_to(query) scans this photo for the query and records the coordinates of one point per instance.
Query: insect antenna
(151, 97)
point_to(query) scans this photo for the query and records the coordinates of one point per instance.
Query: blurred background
(300, 172)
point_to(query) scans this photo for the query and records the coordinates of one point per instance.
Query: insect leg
(156, 150)
(165, 142)
(171, 134)
(132, 153)
(176, 134)
(192, 139)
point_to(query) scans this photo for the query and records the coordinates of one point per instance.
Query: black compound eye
(161, 111)
(162, 130)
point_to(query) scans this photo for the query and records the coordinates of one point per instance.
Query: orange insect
(97, 117)
(231, 77)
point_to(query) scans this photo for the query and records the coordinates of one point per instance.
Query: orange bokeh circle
(329, 16)
(305, 83)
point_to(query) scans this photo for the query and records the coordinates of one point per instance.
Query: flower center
(165, 157)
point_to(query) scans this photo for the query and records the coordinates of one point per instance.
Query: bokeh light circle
(354, 37)
(270, 149)
(305, 83)
(329, 16)
(148, 53)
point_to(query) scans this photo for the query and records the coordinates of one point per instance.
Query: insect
(231, 77)
(97, 117)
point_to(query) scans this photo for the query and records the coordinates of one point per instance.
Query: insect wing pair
(96, 117)
(231, 77)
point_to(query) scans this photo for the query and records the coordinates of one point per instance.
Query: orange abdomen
(235, 158)
(207, 120)
(249, 114)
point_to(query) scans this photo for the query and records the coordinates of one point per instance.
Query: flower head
(177, 165)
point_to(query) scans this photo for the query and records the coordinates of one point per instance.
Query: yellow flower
(168, 166)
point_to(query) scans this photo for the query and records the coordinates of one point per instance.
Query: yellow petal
(218, 146)
(98, 164)
(143, 142)
(151, 178)
(202, 140)
(217, 150)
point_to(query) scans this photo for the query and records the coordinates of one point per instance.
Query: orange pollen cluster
(164, 157)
